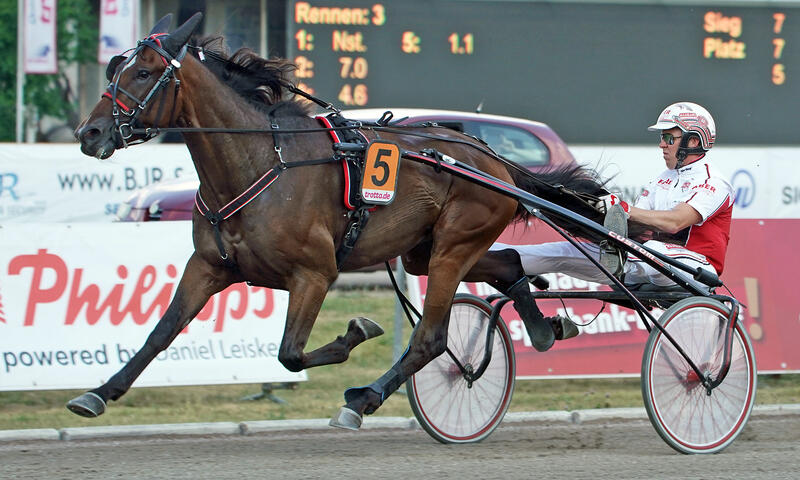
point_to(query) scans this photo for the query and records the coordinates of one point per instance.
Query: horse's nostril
(88, 133)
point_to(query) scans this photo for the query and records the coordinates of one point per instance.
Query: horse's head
(142, 91)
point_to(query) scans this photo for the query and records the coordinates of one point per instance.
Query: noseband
(125, 116)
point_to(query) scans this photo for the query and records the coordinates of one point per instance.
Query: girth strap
(358, 220)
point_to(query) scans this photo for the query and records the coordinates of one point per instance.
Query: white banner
(766, 181)
(58, 183)
(117, 28)
(40, 36)
(77, 301)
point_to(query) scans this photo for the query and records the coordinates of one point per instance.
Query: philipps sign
(77, 302)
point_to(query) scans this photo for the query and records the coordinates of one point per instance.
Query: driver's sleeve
(710, 197)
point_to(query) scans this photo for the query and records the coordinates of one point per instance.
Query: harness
(349, 147)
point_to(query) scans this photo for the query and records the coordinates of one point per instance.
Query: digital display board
(596, 72)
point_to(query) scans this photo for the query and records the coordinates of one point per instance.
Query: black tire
(683, 414)
(445, 406)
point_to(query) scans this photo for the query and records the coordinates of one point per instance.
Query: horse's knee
(162, 336)
(292, 360)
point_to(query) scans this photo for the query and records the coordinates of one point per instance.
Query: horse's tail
(566, 187)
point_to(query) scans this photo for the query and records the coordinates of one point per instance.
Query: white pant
(563, 257)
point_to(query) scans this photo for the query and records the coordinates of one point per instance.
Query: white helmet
(690, 118)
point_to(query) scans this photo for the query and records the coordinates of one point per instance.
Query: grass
(321, 395)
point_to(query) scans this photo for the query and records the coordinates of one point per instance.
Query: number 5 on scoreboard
(379, 182)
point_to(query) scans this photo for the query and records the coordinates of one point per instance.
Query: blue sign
(744, 188)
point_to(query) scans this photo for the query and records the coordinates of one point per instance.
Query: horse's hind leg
(499, 268)
(307, 291)
(457, 245)
(503, 270)
(200, 280)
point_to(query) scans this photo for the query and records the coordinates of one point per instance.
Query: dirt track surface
(767, 449)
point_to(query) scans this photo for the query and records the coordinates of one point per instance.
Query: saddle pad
(352, 172)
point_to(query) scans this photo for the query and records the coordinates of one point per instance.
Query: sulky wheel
(683, 411)
(449, 407)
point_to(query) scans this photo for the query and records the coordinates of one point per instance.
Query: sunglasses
(669, 138)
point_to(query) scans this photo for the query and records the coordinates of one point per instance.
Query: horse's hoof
(347, 419)
(370, 328)
(87, 405)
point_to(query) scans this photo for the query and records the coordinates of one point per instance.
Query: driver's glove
(607, 201)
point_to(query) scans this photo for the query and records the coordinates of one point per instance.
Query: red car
(531, 144)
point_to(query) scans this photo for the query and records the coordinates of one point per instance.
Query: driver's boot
(612, 258)
(543, 331)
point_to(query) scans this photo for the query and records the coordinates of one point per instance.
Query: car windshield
(515, 144)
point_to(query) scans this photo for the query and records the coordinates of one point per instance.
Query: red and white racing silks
(699, 246)
(701, 186)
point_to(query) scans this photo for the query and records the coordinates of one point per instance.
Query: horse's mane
(260, 81)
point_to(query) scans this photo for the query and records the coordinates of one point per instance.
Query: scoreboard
(596, 72)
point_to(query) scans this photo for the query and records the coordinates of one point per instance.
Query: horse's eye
(143, 74)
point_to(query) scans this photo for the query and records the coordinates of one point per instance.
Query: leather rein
(126, 130)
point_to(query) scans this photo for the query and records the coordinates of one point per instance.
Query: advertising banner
(760, 270)
(40, 36)
(117, 28)
(77, 301)
(58, 183)
(612, 338)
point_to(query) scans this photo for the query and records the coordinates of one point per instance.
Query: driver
(688, 207)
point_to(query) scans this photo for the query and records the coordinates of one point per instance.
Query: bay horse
(287, 235)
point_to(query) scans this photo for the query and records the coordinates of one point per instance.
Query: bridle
(125, 116)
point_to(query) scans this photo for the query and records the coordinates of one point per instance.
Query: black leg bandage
(384, 386)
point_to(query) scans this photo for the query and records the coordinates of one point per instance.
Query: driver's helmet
(690, 118)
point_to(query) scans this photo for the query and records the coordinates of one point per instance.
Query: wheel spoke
(686, 417)
(450, 409)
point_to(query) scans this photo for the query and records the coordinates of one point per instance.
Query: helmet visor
(663, 124)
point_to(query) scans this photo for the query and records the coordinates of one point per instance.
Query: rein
(381, 125)
(126, 131)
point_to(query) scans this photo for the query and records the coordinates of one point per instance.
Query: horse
(287, 235)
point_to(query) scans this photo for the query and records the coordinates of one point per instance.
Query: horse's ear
(179, 37)
(111, 69)
(162, 26)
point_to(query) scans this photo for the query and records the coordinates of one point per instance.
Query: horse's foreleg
(199, 282)
(306, 294)
(428, 340)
